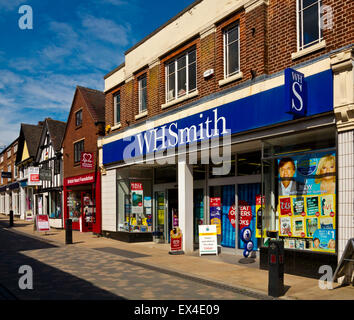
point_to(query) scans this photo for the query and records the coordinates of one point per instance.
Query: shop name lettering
(151, 138)
(297, 84)
(81, 179)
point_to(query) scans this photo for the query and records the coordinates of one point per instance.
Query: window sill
(178, 100)
(117, 126)
(78, 127)
(304, 52)
(233, 78)
(141, 115)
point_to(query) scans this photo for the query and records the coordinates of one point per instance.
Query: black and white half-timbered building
(48, 195)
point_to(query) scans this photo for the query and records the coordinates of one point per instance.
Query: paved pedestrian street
(73, 272)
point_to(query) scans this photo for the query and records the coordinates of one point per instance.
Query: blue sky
(73, 42)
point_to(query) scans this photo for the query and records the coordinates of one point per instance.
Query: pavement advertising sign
(42, 221)
(33, 177)
(208, 239)
(176, 239)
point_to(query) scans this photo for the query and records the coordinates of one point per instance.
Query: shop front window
(300, 192)
(55, 206)
(249, 163)
(74, 205)
(134, 193)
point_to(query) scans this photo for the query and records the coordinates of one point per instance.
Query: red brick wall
(6, 162)
(87, 130)
(268, 37)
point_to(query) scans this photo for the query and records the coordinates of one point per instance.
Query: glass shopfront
(299, 188)
(134, 199)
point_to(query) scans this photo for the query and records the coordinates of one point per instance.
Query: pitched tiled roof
(56, 132)
(32, 135)
(95, 101)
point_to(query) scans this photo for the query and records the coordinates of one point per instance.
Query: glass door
(87, 211)
(198, 212)
(160, 217)
(172, 211)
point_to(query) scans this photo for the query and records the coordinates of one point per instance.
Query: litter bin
(276, 268)
(68, 232)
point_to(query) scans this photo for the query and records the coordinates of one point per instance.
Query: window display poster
(215, 213)
(309, 182)
(260, 204)
(137, 198)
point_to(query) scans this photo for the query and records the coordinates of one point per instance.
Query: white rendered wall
(108, 194)
(185, 204)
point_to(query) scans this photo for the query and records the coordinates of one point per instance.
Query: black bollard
(11, 218)
(276, 268)
(68, 232)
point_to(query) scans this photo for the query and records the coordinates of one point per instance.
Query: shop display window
(229, 170)
(299, 188)
(166, 174)
(74, 205)
(249, 163)
(55, 206)
(134, 194)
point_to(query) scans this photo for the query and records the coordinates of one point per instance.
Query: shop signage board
(45, 174)
(307, 201)
(33, 177)
(208, 239)
(137, 195)
(83, 179)
(215, 213)
(295, 90)
(252, 112)
(42, 222)
(87, 160)
(7, 175)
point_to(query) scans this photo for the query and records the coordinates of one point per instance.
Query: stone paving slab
(207, 268)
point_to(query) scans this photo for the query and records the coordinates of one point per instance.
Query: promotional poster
(307, 198)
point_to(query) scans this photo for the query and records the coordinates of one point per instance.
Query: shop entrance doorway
(172, 211)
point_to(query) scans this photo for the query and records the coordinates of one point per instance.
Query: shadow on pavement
(49, 283)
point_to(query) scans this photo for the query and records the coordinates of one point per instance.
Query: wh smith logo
(176, 134)
(295, 90)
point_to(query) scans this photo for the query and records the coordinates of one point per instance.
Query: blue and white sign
(295, 91)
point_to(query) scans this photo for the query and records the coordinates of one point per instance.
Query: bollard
(68, 232)
(276, 268)
(11, 218)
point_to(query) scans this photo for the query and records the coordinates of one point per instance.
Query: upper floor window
(9, 153)
(181, 75)
(78, 118)
(116, 99)
(78, 148)
(142, 93)
(309, 23)
(1, 158)
(15, 148)
(231, 50)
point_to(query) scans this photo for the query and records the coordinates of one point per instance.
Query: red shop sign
(87, 160)
(215, 202)
(136, 186)
(86, 178)
(245, 214)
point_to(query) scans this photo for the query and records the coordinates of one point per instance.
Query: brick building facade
(82, 183)
(243, 53)
(8, 187)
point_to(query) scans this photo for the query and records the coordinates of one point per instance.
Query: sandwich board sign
(208, 239)
(42, 221)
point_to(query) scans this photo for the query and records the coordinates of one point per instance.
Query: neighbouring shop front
(82, 202)
(263, 190)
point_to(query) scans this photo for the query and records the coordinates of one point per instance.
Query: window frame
(188, 64)
(76, 118)
(225, 32)
(75, 151)
(300, 25)
(117, 94)
(140, 89)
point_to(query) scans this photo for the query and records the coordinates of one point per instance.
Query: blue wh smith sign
(295, 90)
